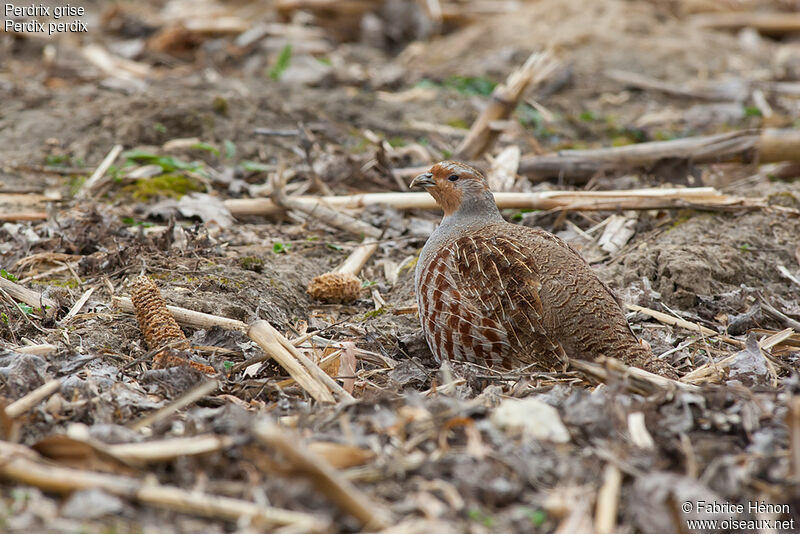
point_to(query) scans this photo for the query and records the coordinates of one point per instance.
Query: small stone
(533, 418)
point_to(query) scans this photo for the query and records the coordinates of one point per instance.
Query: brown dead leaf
(9, 426)
(79, 454)
(341, 456)
(347, 365)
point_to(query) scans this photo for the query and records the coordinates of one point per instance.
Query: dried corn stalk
(159, 327)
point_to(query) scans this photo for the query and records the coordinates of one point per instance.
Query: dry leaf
(347, 365)
(341, 456)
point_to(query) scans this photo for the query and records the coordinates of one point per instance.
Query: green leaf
(587, 116)
(4, 317)
(537, 517)
(167, 163)
(160, 128)
(281, 248)
(367, 283)
(228, 365)
(254, 166)
(56, 160)
(333, 246)
(205, 146)
(752, 111)
(284, 58)
(478, 515)
(230, 149)
(471, 85)
(130, 221)
(27, 310)
(8, 276)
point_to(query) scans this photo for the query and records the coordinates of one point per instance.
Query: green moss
(458, 123)
(372, 314)
(71, 283)
(786, 199)
(471, 85)
(56, 160)
(622, 140)
(662, 135)
(220, 105)
(166, 185)
(252, 263)
(682, 217)
(226, 283)
(479, 516)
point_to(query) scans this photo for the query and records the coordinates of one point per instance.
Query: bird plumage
(503, 295)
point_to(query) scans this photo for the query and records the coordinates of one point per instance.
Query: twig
(39, 350)
(24, 466)
(23, 404)
(503, 102)
(785, 272)
(641, 381)
(323, 213)
(635, 199)
(764, 146)
(787, 321)
(269, 340)
(191, 396)
(167, 449)
(77, 307)
(186, 317)
(605, 518)
(314, 369)
(276, 133)
(95, 179)
(638, 431)
(28, 296)
(793, 423)
(702, 373)
(715, 91)
(674, 321)
(23, 216)
(327, 480)
(764, 23)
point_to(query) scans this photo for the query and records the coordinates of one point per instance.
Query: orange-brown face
(449, 181)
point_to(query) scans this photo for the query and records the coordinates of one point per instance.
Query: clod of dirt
(21, 372)
(688, 263)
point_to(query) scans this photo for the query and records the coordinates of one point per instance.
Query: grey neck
(475, 211)
(473, 214)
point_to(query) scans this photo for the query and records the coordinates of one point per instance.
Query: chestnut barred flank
(506, 296)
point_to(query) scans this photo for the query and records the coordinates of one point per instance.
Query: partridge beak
(423, 180)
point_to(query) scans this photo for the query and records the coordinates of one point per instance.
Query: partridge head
(506, 296)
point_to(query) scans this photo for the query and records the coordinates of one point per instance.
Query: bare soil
(438, 459)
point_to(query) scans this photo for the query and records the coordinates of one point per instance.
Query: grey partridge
(505, 296)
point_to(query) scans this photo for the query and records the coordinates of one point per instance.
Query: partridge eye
(453, 177)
